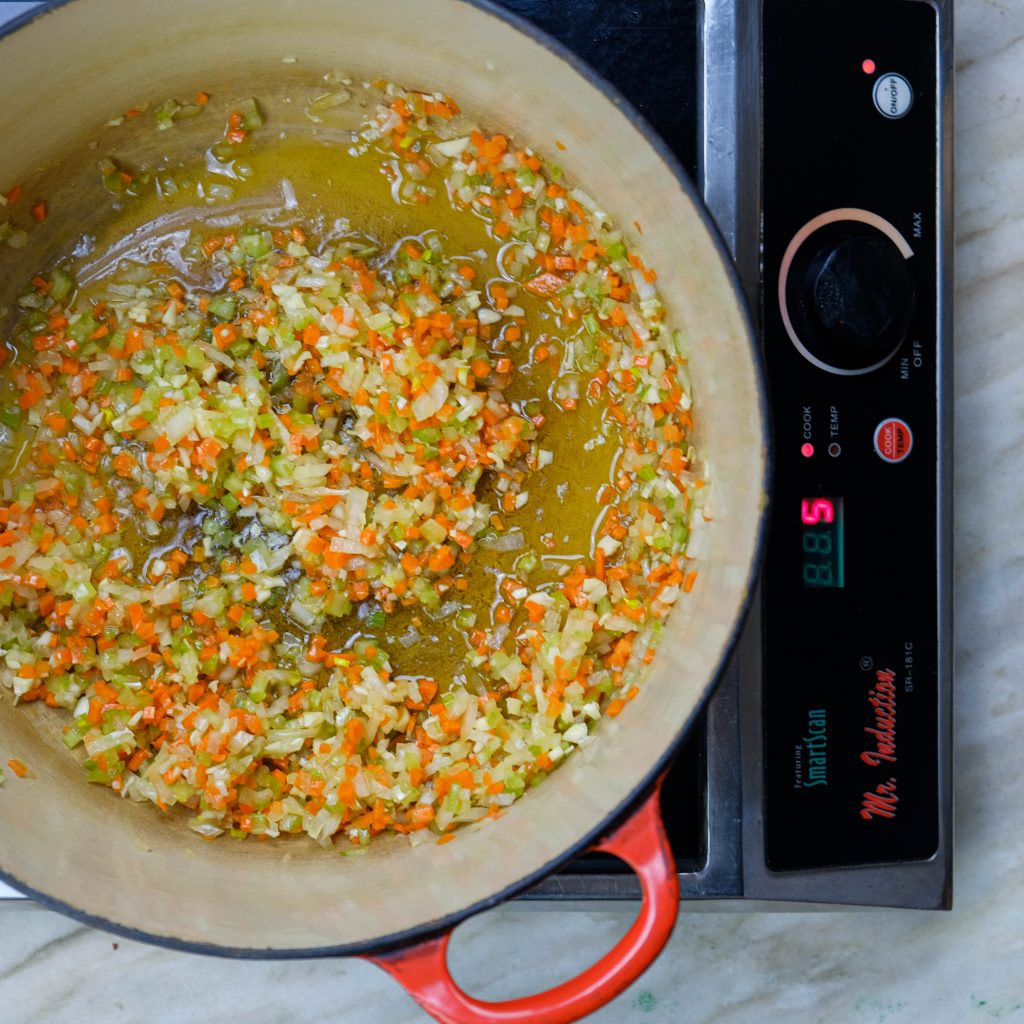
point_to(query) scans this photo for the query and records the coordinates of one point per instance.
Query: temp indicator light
(867, 66)
(807, 449)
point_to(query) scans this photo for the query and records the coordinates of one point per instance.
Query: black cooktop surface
(647, 49)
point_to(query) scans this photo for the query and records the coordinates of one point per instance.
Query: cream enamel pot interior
(68, 70)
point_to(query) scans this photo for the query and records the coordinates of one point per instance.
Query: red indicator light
(868, 66)
(807, 450)
(817, 510)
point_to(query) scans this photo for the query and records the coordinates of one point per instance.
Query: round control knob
(848, 293)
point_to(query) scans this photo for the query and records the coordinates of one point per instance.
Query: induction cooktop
(820, 137)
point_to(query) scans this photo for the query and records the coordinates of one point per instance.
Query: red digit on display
(816, 510)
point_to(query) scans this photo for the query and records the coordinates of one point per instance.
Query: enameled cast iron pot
(67, 69)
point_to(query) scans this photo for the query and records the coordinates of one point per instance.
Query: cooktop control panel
(850, 272)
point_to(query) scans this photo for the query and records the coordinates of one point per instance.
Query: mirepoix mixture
(349, 520)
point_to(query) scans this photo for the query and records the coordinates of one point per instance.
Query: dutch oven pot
(64, 72)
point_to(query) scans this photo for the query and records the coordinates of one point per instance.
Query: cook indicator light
(868, 66)
(807, 450)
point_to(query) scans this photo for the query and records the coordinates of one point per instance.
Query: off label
(893, 440)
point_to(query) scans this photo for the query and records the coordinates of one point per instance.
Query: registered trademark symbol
(866, 663)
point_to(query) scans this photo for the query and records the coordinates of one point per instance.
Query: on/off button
(893, 440)
(893, 95)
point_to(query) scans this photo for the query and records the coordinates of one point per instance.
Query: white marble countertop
(879, 967)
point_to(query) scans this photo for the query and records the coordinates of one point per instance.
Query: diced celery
(222, 307)
(76, 733)
(251, 116)
(616, 250)
(62, 284)
(256, 244)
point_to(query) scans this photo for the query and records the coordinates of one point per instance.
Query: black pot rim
(618, 814)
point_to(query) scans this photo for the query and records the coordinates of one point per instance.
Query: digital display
(821, 542)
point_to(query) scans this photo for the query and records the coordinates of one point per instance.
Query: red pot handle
(422, 970)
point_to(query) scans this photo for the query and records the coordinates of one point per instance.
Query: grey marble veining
(872, 967)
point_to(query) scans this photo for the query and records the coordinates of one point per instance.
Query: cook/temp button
(893, 440)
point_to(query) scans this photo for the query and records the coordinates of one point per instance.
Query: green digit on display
(818, 575)
(817, 543)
